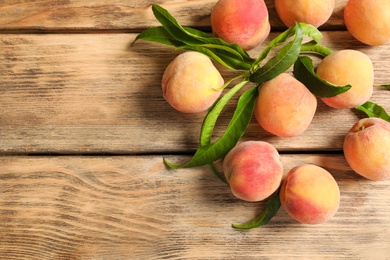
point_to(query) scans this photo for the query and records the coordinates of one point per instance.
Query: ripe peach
(348, 67)
(253, 169)
(243, 22)
(310, 194)
(366, 148)
(314, 12)
(368, 21)
(285, 107)
(190, 83)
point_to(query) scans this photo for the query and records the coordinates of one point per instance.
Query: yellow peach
(310, 194)
(285, 107)
(348, 67)
(368, 20)
(191, 83)
(253, 169)
(242, 22)
(314, 12)
(366, 148)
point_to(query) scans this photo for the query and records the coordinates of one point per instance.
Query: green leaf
(271, 208)
(159, 35)
(304, 72)
(220, 175)
(172, 26)
(242, 116)
(213, 114)
(229, 55)
(307, 30)
(311, 32)
(282, 61)
(209, 39)
(373, 110)
(279, 40)
(220, 55)
(315, 48)
(386, 86)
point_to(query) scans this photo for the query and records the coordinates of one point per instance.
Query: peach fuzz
(348, 67)
(368, 21)
(310, 194)
(366, 148)
(242, 22)
(314, 12)
(253, 169)
(285, 107)
(191, 83)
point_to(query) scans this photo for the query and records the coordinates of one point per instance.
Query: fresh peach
(314, 12)
(243, 22)
(191, 83)
(367, 148)
(253, 169)
(310, 194)
(285, 107)
(368, 20)
(348, 67)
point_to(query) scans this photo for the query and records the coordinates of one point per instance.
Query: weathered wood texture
(132, 15)
(81, 89)
(93, 93)
(134, 208)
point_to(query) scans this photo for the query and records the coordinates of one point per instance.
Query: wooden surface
(84, 129)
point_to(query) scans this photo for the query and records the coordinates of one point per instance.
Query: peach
(253, 169)
(366, 148)
(310, 194)
(242, 22)
(348, 67)
(368, 21)
(191, 83)
(314, 12)
(285, 107)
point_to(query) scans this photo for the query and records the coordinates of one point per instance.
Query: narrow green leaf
(271, 208)
(315, 48)
(311, 32)
(220, 175)
(213, 114)
(172, 26)
(304, 72)
(282, 61)
(236, 128)
(209, 39)
(159, 35)
(307, 30)
(386, 86)
(219, 55)
(225, 60)
(373, 110)
(279, 40)
(192, 39)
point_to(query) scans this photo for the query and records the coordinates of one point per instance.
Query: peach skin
(348, 67)
(254, 170)
(285, 107)
(242, 22)
(366, 148)
(310, 194)
(191, 83)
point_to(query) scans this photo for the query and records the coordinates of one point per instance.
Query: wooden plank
(92, 93)
(133, 15)
(134, 208)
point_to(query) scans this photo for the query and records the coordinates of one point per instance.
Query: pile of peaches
(285, 107)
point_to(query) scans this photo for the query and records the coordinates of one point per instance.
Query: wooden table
(84, 129)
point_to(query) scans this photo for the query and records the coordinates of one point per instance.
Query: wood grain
(134, 208)
(47, 15)
(93, 93)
